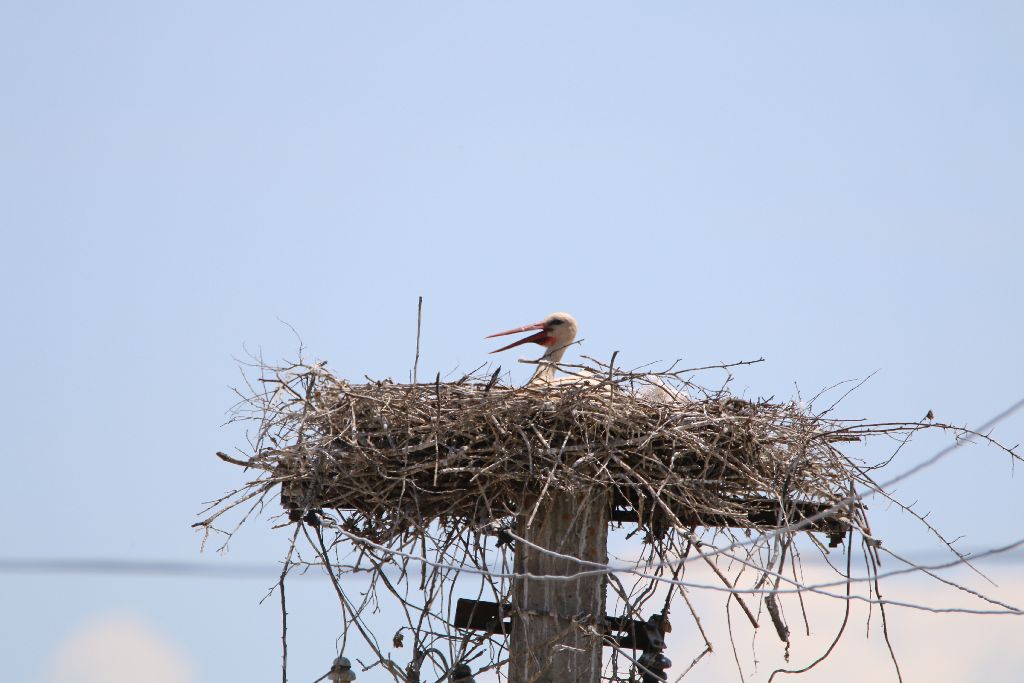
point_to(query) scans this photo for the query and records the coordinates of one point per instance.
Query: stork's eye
(556, 321)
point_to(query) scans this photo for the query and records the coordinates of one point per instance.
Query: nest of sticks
(439, 475)
(395, 458)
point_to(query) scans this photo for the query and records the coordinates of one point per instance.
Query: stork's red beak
(542, 337)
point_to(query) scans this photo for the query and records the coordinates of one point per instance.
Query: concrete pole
(545, 646)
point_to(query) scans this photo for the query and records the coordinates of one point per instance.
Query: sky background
(834, 187)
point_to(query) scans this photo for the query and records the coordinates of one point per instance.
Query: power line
(109, 566)
(267, 571)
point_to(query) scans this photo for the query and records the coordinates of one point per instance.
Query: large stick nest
(398, 457)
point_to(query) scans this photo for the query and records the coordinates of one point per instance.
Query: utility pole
(557, 624)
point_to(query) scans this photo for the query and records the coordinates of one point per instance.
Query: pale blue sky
(836, 187)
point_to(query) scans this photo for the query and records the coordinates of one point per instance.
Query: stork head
(555, 332)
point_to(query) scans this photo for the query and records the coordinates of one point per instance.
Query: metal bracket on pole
(628, 634)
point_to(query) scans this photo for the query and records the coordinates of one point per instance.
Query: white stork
(556, 332)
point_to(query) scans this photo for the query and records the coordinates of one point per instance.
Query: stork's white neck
(546, 370)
